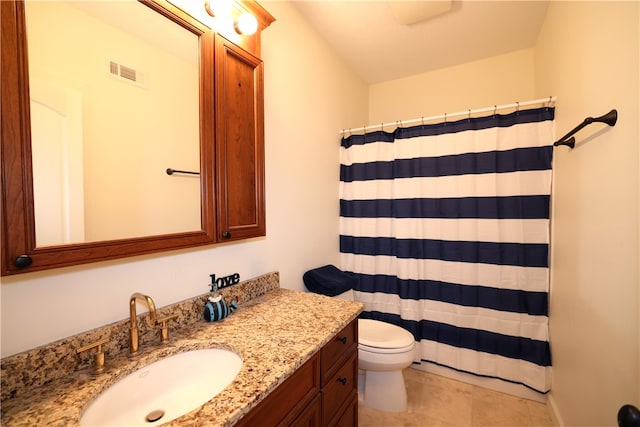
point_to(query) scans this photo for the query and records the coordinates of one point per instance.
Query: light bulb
(246, 24)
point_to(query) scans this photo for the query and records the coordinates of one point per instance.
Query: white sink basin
(164, 390)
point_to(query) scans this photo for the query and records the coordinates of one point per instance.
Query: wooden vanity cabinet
(323, 392)
(239, 154)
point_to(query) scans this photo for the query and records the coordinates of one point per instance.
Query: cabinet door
(311, 416)
(239, 143)
(289, 400)
(349, 415)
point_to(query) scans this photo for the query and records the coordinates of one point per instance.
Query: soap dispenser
(217, 308)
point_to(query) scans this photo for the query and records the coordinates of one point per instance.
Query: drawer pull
(343, 340)
(342, 381)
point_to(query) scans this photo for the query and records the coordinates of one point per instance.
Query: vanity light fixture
(246, 24)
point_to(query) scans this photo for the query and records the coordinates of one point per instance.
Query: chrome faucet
(134, 345)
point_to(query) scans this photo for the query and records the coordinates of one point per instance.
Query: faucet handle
(99, 356)
(164, 329)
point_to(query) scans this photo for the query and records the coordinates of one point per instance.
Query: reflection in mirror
(114, 90)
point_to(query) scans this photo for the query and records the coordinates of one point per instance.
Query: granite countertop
(274, 333)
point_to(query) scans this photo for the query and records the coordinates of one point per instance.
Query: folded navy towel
(328, 280)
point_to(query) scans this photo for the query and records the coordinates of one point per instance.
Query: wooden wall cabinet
(239, 154)
(323, 392)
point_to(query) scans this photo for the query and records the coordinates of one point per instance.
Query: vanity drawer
(335, 352)
(340, 389)
(289, 399)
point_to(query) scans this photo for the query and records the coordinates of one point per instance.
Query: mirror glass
(114, 90)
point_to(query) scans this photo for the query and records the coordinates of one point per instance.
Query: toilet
(384, 350)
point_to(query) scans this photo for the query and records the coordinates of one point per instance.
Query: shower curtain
(446, 227)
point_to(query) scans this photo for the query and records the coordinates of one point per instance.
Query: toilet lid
(377, 334)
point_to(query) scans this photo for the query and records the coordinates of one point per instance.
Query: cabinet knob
(343, 340)
(226, 235)
(342, 380)
(628, 416)
(23, 261)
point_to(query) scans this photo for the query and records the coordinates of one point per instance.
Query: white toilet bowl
(384, 350)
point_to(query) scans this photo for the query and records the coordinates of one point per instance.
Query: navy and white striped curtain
(446, 227)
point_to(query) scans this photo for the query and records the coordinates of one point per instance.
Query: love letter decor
(223, 282)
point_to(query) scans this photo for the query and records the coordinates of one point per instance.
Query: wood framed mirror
(26, 205)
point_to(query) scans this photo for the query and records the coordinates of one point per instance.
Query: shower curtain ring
(495, 110)
(469, 116)
(445, 119)
(517, 107)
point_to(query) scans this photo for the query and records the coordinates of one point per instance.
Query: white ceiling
(379, 49)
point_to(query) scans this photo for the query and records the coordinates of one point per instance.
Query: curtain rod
(550, 100)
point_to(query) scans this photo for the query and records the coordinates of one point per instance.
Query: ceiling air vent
(126, 74)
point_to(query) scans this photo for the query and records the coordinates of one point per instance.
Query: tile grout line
(473, 401)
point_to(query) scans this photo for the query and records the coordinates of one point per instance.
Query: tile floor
(436, 401)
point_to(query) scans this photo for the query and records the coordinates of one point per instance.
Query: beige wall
(310, 94)
(587, 55)
(502, 79)
(309, 97)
